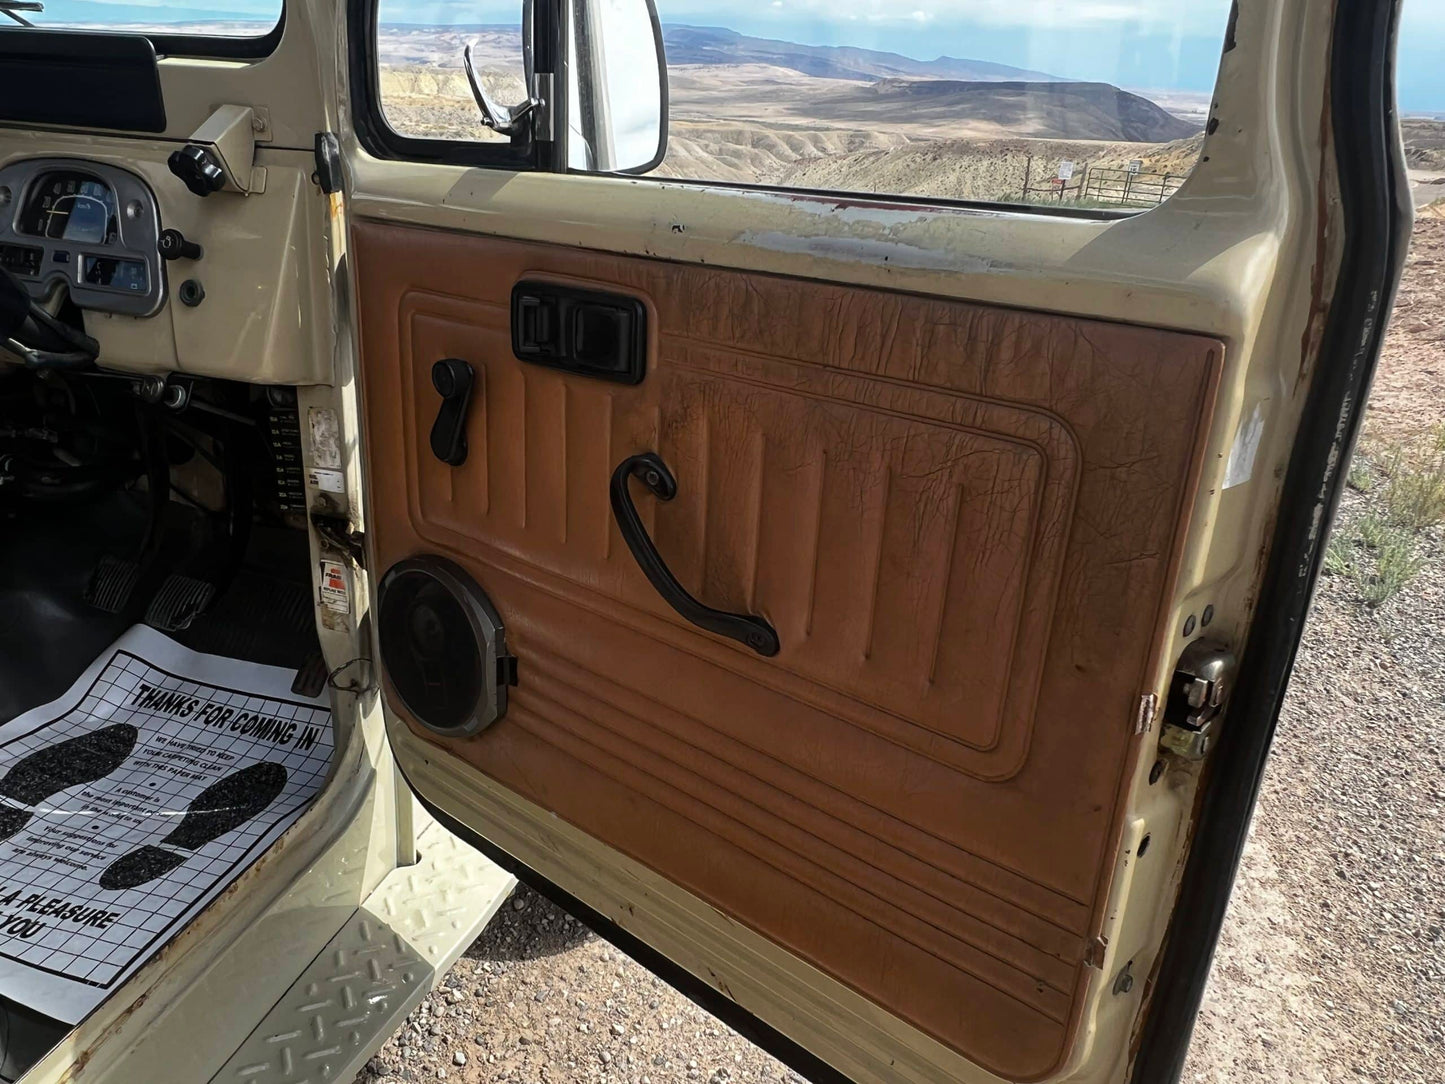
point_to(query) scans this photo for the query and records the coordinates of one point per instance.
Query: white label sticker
(328, 481)
(1240, 467)
(325, 437)
(335, 594)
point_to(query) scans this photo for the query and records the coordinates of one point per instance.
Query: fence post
(1028, 168)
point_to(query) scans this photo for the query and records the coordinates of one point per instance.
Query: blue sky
(1144, 44)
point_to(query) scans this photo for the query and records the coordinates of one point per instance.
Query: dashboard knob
(198, 169)
(174, 246)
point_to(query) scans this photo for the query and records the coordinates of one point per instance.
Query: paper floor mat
(128, 804)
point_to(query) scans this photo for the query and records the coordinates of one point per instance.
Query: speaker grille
(440, 639)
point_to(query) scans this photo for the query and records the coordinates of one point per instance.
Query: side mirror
(617, 86)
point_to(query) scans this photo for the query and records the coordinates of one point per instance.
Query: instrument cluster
(89, 224)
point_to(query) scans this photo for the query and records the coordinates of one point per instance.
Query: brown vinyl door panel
(962, 521)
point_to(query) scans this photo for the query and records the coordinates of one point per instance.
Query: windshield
(198, 18)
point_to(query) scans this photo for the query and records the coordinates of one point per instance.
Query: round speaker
(442, 646)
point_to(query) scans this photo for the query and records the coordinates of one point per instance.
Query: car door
(837, 598)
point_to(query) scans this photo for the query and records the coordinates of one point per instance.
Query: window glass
(1082, 103)
(214, 18)
(1088, 103)
(424, 88)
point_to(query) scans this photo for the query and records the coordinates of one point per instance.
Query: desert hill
(976, 169)
(1043, 110)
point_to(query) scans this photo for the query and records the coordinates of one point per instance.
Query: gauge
(70, 206)
(21, 259)
(115, 274)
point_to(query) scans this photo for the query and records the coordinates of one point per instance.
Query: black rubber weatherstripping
(1376, 212)
(41, 775)
(226, 804)
(651, 471)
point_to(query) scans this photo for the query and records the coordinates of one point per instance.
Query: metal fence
(1096, 184)
(1038, 189)
(1124, 187)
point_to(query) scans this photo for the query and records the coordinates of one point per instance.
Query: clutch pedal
(111, 584)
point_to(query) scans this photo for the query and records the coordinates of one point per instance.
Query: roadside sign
(1135, 165)
(1066, 169)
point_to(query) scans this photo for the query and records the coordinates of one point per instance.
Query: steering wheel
(37, 338)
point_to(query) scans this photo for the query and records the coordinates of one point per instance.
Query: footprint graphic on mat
(226, 804)
(46, 772)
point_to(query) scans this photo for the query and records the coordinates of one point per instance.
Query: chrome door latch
(1203, 680)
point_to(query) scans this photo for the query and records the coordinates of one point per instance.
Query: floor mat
(134, 799)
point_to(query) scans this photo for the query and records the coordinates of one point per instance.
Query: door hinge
(1202, 682)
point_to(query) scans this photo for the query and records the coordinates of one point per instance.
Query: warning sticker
(130, 803)
(335, 594)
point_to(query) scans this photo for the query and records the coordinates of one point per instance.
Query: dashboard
(91, 225)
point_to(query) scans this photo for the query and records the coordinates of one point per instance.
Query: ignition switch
(1203, 680)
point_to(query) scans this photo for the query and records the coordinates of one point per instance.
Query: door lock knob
(174, 246)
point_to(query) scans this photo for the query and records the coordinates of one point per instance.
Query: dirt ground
(1332, 963)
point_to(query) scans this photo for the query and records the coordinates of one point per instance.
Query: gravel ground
(1332, 963)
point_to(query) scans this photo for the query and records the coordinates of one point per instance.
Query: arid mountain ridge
(715, 45)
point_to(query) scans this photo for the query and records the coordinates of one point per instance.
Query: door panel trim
(1228, 257)
(531, 522)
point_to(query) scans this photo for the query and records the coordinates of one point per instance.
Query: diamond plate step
(376, 969)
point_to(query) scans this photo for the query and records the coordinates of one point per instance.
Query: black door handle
(651, 471)
(453, 380)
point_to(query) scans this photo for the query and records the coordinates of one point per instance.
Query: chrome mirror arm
(500, 118)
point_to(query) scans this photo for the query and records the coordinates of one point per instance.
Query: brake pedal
(180, 601)
(111, 584)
